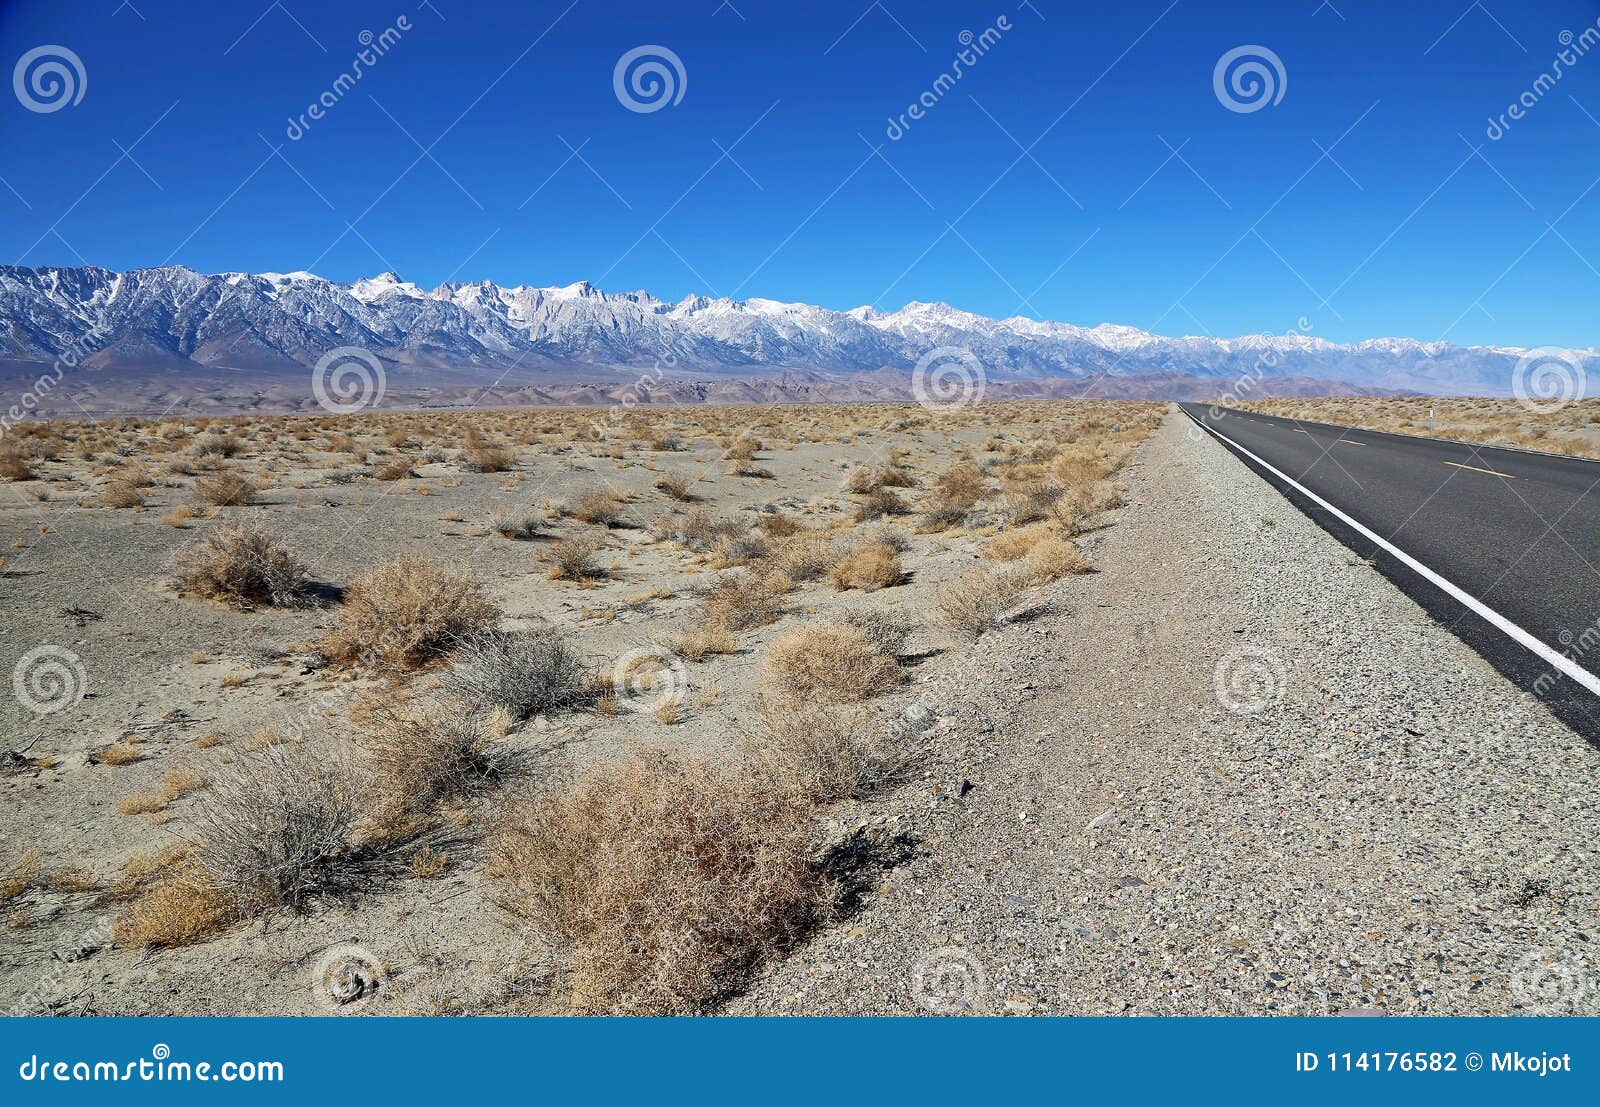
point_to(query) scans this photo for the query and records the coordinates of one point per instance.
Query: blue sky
(1043, 183)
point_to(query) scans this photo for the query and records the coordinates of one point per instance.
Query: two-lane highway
(1502, 546)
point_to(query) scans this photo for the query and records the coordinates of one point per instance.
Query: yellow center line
(1475, 469)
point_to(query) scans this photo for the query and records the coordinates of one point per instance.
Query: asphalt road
(1518, 532)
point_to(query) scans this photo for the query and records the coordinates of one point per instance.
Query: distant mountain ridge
(182, 328)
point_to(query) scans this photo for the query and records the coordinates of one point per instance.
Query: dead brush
(819, 754)
(1029, 502)
(739, 601)
(1054, 558)
(955, 493)
(829, 662)
(741, 549)
(871, 567)
(664, 882)
(876, 505)
(573, 559)
(674, 486)
(243, 566)
(423, 751)
(525, 674)
(517, 525)
(486, 458)
(407, 612)
(973, 604)
(120, 494)
(886, 629)
(14, 466)
(226, 489)
(600, 509)
(696, 643)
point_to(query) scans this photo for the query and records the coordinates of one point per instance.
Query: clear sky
(1082, 169)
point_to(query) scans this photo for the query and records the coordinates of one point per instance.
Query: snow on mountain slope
(241, 320)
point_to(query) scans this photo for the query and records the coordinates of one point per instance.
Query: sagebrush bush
(887, 630)
(828, 661)
(406, 613)
(820, 754)
(665, 882)
(517, 525)
(526, 673)
(424, 750)
(241, 565)
(740, 601)
(1054, 558)
(573, 559)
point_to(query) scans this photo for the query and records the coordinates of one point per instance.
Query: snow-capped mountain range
(263, 325)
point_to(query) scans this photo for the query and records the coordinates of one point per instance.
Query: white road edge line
(1560, 662)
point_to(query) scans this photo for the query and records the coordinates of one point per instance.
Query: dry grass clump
(226, 490)
(702, 640)
(394, 469)
(1013, 544)
(887, 630)
(16, 467)
(424, 751)
(740, 601)
(673, 485)
(666, 881)
(525, 674)
(860, 480)
(873, 566)
(973, 604)
(1053, 558)
(955, 493)
(179, 781)
(177, 905)
(1029, 502)
(804, 557)
(829, 662)
(738, 549)
(484, 458)
(820, 754)
(697, 531)
(573, 559)
(780, 524)
(123, 494)
(125, 752)
(407, 612)
(519, 526)
(19, 875)
(240, 565)
(217, 445)
(880, 503)
(598, 508)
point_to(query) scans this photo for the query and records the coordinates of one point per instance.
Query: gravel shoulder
(1237, 772)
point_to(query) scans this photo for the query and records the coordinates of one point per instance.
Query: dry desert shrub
(526, 674)
(397, 469)
(804, 557)
(519, 526)
(423, 751)
(873, 566)
(673, 485)
(484, 458)
(599, 508)
(876, 505)
(828, 662)
(1013, 544)
(972, 604)
(702, 640)
(16, 467)
(780, 524)
(1029, 502)
(740, 601)
(887, 630)
(407, 612)
(1053, 558)
(275, 829)
(177, 904)
(820, 754)
(240, 565)
(860, 480)
(123, 494)
(573, 559)
(732, 549)
(665, 882)
(226, 490)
